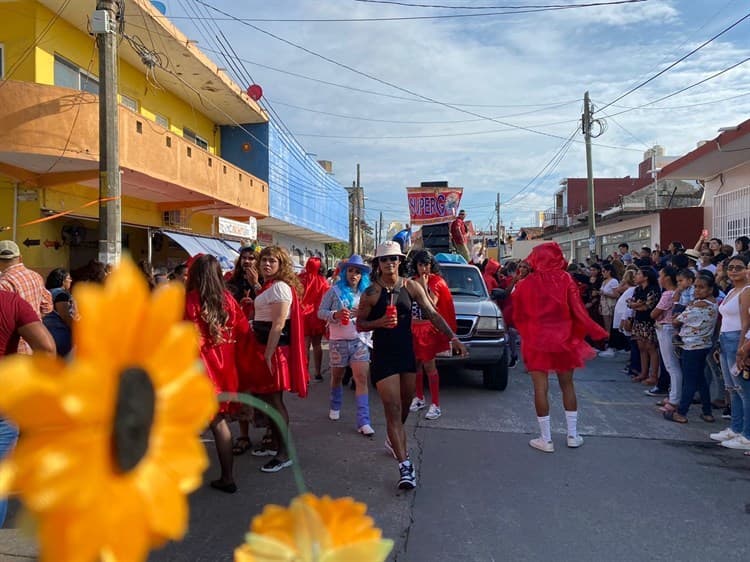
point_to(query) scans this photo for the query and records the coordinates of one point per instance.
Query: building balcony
(50, 136)
(556, 218)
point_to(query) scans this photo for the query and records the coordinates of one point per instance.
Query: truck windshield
(464, 281)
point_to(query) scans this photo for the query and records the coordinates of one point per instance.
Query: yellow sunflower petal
(166, 507)
(125, 530)
(179, 454)
(369, 551)
(310, 534)
(30, 391)
(167, 309)
(178, 352)
(188, 402)
(66, 535)
(111, 317)
(275, 522)
(88, 392)
(261, 548)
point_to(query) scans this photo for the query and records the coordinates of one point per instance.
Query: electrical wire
(454, 7)
(678, 61)
(628, 132)
(38, 39)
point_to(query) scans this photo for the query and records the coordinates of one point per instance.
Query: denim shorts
(343, 352)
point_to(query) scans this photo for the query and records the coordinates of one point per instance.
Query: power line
(371, 77)
(541, 6)
(678, 61)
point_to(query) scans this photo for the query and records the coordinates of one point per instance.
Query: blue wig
(347, 295)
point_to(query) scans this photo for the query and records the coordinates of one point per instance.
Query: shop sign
(245, 230)
(265, 238)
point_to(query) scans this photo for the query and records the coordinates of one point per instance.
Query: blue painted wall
(300, 191)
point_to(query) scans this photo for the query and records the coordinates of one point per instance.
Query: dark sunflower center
(134, 415)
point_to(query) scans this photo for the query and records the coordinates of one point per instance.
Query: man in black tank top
(385, 309)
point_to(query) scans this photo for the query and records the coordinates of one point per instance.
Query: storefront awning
(194, 245)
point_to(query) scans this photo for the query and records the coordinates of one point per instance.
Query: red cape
(550, 316)
(315, 286)
(445, 307)
(298, 353)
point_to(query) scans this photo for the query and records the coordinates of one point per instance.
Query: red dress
(315, 287)
(550, 316)
(429, 341)
(219, 359)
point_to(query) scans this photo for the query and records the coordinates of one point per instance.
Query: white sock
(572, 419)
(544, 427)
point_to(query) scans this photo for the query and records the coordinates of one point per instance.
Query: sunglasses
(736, 268)
(385, 259)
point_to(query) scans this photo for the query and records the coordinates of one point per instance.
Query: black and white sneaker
(655, 391)
(513, 362)
(408, 480)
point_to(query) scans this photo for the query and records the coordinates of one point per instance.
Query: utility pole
(358, 191)
(380, 229)
(497, 225)
(110, 188)
(586, 127)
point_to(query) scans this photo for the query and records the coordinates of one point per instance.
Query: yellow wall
(21, 22)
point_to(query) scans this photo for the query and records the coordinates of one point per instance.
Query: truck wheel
(495, 377)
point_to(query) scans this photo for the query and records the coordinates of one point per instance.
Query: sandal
(675, 417)
(708, 418)
(667, 407)
(241, 445)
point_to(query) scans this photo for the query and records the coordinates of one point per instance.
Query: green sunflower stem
(276, 418)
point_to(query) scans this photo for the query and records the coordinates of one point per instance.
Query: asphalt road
(640, 488)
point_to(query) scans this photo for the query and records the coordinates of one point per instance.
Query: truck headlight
(490, 324)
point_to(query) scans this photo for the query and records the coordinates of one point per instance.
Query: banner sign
(246, 230)
(433, 205)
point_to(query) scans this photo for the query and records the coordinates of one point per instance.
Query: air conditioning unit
(175, 219)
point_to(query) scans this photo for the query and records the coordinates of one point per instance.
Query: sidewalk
(14, 546)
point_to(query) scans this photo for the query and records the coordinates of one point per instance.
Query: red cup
(344, 316)
(390, 311)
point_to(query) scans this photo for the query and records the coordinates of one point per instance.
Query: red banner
(433, 205)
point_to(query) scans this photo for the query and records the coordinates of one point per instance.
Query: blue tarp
(194, 245)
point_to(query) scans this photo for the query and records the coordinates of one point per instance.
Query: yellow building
(173, 176)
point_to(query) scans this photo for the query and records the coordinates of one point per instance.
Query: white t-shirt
(622, 311)
(278, 292)
(608, 287)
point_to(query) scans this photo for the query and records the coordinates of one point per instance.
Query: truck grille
(465, 326)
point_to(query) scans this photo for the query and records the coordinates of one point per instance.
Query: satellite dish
(159, 6)
(255, 92)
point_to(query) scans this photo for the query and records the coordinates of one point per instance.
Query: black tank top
(394, 339)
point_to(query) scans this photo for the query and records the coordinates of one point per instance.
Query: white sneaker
(366, 430)
(725, 435)
(542, 445)
(334, 415)
(416, 405)
(739, 442)
(575, 442)
(609, 352)
(433, 413)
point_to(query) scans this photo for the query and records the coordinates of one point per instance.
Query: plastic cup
(344, 316)
(390, 311)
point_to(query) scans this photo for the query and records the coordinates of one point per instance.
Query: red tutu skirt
(572, 356)
(257, 379)
(428, 341)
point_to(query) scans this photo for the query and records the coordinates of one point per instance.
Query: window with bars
(732, 215)
(130, 103)
(190, 135)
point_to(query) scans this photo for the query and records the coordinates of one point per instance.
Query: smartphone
(704, 234)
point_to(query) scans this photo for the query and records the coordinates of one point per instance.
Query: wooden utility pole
(497, 225)
(358, 191)
(110, 188)
(586, 127)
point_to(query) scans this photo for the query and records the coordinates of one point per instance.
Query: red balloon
(255, 92)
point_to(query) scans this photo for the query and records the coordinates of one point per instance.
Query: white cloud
(512, 61)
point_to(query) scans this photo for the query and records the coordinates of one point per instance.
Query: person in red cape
(428, 341)
(278, 347)
(221, 324)
(315, 286)
(553, 323)
(490, 269)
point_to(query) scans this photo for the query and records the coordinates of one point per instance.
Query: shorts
(343, 352)
(427, 341)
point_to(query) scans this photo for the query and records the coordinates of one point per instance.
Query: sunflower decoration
(314, 529)
(110, 441)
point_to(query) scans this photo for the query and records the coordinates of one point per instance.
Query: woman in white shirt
(346, 346)
(609, 292)
(278, 347)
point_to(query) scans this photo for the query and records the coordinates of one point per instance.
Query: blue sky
(528, 70)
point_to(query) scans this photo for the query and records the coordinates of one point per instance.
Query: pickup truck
(480, 325)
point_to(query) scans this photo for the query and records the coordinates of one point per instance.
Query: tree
(338, 250)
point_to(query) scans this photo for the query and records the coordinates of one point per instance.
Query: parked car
(480, 325)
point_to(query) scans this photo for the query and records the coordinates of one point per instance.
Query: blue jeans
(8, 436)
(745, 395)
(693, 363)
(511, 343)
(729, 342)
